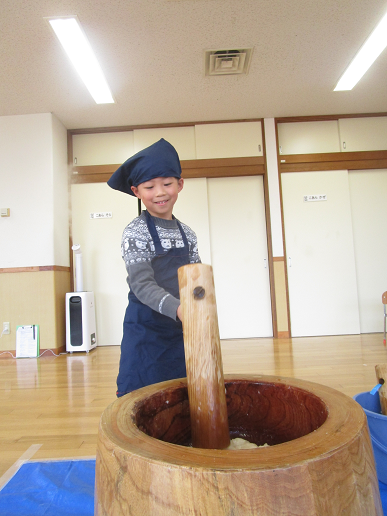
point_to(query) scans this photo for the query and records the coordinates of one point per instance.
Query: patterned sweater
(138, 250)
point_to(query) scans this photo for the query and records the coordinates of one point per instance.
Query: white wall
(32, 148)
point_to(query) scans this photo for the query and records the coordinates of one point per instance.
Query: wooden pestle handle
(381, 375)
(203, 358)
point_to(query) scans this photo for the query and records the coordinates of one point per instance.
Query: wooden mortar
(319, 461)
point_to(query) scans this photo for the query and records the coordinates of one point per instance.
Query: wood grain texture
(333, 156)
(332, 161)
(220, 167)
(92, 130)
(327, 471)
(203, 357)
(381, 375)
(323, 166)
(37, 268)
(316, 118)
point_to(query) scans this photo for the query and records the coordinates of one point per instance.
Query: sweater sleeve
(143, 284)
(137, 250)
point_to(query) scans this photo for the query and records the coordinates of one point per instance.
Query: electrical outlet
(6, 328)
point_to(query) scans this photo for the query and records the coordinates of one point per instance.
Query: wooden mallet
(205, 381)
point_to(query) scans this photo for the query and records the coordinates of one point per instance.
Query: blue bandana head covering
(158, 160)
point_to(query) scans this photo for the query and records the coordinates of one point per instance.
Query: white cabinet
(231, 140)
(205, 141)
(344, 135)
(363, 134)
(182, 138)
(309, 137)
(102, 148)
(117, 147)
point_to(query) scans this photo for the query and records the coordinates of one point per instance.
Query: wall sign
(314, 198)
(101, 215)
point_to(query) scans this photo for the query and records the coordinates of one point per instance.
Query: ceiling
(152, 54)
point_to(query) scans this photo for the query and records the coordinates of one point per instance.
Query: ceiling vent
(227, 62)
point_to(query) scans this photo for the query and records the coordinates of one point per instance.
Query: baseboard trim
(283, 335)
(11, 353)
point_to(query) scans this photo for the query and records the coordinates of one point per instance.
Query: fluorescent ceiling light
(77, 47)
(368, 53)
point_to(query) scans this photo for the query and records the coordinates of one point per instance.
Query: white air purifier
(80, 313)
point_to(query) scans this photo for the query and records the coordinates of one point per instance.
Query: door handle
(290, 261)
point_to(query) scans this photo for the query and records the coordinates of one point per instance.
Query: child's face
(159, 195)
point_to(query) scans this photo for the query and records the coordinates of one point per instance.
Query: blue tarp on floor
(54, 488)
(62, 488)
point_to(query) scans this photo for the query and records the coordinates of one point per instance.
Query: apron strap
(182, 232)
(155, 236)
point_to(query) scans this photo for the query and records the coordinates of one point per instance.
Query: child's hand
(179, 314)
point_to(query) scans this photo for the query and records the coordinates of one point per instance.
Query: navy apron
(152, 347)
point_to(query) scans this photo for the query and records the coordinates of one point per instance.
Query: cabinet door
(239, 256)
(309, 137)
(319, 247)
(363, 134)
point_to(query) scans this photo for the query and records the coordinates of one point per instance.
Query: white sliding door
(320, 251)
(239, 256)
(368, 190)
(100, 239)
(228, 216)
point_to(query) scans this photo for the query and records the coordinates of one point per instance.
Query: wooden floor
(50, 407)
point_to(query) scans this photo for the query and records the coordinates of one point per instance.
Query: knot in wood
(199, 292)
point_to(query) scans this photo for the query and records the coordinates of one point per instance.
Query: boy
(154, 245)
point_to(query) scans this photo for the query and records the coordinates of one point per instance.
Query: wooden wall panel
(36, 297)
(232, 167)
